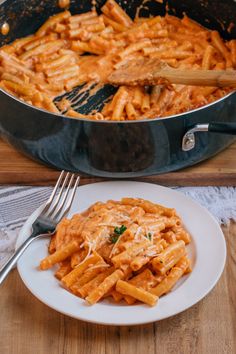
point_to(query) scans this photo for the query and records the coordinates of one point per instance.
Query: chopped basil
(117, 232)
(114, 238)
(149, 236)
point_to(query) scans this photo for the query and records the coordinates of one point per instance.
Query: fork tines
(62, 196)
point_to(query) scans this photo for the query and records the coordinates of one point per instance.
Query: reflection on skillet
(124, 151)
(117, 148)
(29, 129)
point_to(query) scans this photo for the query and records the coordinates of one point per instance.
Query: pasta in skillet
(131, 249)
(71, 50)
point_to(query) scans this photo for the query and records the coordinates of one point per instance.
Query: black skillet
(112, 149)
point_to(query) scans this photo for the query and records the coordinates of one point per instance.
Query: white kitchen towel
(17, 203)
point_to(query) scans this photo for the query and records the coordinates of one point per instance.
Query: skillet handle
(188, 142)
(222, 128)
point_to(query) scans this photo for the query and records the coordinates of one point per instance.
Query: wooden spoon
(147, 71)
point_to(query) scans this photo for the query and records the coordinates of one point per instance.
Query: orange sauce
(63, 3)
(96, 68)
(5, 29)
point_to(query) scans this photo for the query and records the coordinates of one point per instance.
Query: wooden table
(28, 326)
(220, 170)
(209, 327)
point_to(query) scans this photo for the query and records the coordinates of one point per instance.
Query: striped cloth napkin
(18, 203)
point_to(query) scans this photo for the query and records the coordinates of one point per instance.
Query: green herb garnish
(120, 230)
(117, 232)
(149, 236)
(114, 238)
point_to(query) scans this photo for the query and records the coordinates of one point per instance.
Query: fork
(57, 206)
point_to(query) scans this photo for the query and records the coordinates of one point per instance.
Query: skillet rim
(147, 120)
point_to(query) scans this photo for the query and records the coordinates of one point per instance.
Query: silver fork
(57, 206)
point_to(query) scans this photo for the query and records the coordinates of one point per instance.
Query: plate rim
(30, 219)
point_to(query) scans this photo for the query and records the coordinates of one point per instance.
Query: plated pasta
(71, 50)
(131, 250)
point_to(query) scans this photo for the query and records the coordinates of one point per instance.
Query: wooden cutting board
(220, 170)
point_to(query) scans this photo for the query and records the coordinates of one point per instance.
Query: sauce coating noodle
(131, 249)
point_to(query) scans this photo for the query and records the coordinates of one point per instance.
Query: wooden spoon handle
(219, 78)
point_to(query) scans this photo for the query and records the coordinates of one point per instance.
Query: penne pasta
(52, 21)
(232, 46)
(117, 13)
(207, 58)
(120, 100)
(116, 296)
(145, 105)
(65, 268)
(124, 249)
(115, 25)
(82, 17)
(171, 279)
(130, 111)
(219, 44)
(155, 94)
(137, 293)
(134, 48)
(71, 50)
(104, 287)
(138, 98)
(59, 255)
(127, 256)
(48, 47)
(71, 277)
(169, 257)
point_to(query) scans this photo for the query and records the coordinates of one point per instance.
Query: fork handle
(12, 261)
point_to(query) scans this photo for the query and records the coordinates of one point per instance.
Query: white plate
(207, 251)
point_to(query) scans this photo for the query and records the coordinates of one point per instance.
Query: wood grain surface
(209, 327)
(220, 170)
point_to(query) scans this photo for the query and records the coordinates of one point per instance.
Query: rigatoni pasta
(131, 250)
